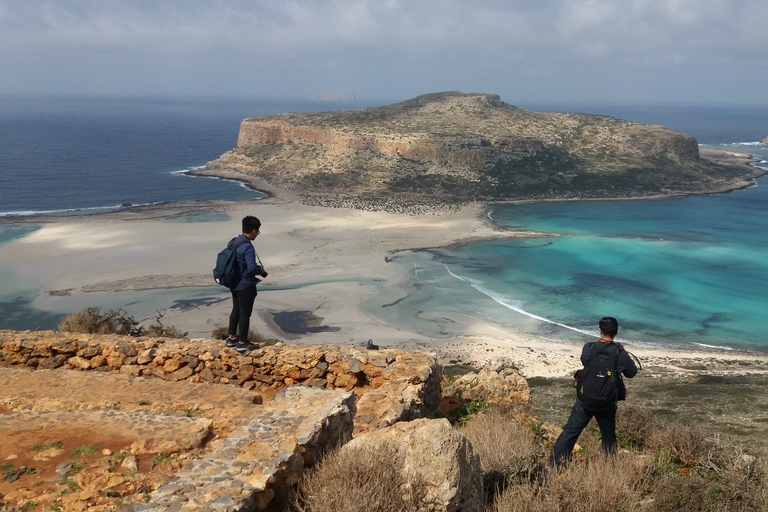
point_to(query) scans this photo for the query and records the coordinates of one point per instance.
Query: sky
(697, 52)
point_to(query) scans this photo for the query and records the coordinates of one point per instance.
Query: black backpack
(227, 271)
(599, 384)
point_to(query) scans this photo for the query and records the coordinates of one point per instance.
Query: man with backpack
(237, 269)
(599, 387)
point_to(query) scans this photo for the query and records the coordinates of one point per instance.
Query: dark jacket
(246, 261)
(624, 363)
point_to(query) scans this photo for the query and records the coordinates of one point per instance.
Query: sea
(687, 272)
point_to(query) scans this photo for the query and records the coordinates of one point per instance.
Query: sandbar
(342, 250)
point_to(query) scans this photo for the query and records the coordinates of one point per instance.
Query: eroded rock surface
(436, 457)
(499, 382)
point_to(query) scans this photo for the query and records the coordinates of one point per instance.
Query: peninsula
(452, 147)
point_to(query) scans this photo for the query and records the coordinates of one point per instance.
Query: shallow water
(684, 272)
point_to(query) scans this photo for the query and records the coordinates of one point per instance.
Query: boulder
(436, 456)
(499, 382)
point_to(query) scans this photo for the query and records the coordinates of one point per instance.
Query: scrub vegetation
(687, 442)
(661, 466)
(92, 321)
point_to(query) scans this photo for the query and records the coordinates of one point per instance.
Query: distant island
(454, 147)
(335, 95)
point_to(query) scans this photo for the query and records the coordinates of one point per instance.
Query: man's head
(609, 327)
(251, 226)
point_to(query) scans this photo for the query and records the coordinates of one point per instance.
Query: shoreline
(322, 261)
(280, 195)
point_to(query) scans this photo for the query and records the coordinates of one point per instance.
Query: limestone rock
(436, 456)
(452, 146)
(498, 382)
(765, 140)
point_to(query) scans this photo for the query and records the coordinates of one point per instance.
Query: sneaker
(246, 347)
(231, 342)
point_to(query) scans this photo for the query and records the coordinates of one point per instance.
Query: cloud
(302, 46)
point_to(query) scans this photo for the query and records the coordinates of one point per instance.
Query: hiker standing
(244, 290)
(599, 388)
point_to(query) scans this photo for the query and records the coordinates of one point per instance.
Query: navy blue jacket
(246, 261)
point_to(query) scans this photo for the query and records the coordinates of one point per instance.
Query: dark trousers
(578, 420)
(242, 307)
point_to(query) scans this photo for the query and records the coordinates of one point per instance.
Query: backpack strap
(238, 244)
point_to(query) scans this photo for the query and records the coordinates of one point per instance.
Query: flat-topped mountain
(452, 146)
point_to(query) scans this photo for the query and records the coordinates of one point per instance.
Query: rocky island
(454, 147)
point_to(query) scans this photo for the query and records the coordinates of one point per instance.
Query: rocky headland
(452, 147)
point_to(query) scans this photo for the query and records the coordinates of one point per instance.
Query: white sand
(300, 244)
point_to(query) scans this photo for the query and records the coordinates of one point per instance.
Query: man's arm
(626, 365)
(252, 269)
(586, 351)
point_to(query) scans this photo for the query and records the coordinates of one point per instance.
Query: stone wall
(390, 385)
(282, 406)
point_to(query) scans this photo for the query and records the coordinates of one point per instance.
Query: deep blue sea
(686, 272)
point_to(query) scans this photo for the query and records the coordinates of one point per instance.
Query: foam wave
(508, 303)
(718, 347)
(187, 173)
(64, 211)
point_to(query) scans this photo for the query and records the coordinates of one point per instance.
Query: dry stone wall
(284, 406)
(391, 385)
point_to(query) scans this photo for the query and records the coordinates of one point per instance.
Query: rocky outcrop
(765, 140)
(437, 459)
(256, 466)
(462, 147)
(224, 451)
(499, 382)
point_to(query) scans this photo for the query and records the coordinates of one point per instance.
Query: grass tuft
(85, 450)
(358, 478)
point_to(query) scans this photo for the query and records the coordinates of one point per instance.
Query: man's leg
(245, 300)
(577, 421)
(606, 420)
(234, 316)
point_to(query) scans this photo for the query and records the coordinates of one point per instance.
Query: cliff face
(470, 147)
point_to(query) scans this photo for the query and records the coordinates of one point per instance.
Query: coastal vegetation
(92, 321)
(661, 465)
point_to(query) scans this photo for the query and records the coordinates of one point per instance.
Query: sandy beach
(342, 250)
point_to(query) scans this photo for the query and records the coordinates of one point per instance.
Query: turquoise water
(682, 272)
(678, 271)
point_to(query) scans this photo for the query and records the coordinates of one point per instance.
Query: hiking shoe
(231, 342)
(246, 347)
